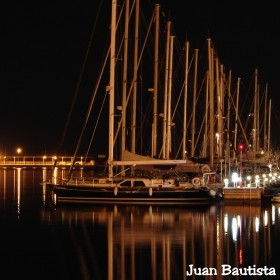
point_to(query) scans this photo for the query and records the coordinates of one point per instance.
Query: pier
(243, 193)
(44, 162)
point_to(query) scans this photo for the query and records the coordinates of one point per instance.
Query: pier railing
(44, 161)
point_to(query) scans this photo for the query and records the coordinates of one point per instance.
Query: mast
(228, 123)
(194, 102)
(211, 101)
(236, 118)
(254, 134)
(134, 100)
(265, 121)
(156, 63)
(124, 89)
(169, 119)
(165, 91)
(222, 96)
(218, 112)
(204, 146)
(269, 120)
(112, 88)
(184, 149)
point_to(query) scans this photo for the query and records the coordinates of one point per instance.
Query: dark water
(43, 241)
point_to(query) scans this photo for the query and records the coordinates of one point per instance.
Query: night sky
(45, 45)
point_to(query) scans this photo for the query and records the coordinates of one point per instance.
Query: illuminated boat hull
(132, 195)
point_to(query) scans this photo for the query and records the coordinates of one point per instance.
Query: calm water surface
(40, 240)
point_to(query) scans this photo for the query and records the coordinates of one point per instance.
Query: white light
(226, 223)
(265, 218)
(234, 177)
(234, 229)
(257, 224)
(226, 181)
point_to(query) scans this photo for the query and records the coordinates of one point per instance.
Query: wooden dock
(243, 193)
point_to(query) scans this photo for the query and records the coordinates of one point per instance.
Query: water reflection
(147, 242)
(16, 185)
(161, 242)
(18, 181)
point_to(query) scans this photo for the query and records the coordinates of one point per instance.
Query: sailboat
(134, 189)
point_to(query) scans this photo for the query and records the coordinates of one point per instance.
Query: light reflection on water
(136, 242)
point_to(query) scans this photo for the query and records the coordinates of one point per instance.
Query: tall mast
(222, 100)
(169, 119)
(228, 123)
(112, 88)
(194, 102)
(184, 149)
(156, 63)
(205, 136)
(255, 113)
(265, 121)
(134, 100)
(258, 118)
(124, 89)
(211, 101)
(269, 120)
(218, 106)
(165, 91)
(236, 118)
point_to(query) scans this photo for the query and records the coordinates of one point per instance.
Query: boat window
(126, 183)
(139, 184)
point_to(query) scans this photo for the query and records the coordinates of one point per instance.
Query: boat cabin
(141, 182)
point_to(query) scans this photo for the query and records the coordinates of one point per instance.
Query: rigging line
(89, 110)
(96, 124)
(88, 114)
(80, 76)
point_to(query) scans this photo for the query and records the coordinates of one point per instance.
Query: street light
(19, 150)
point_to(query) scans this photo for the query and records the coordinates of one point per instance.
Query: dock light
(257, 180)
(234, 178)
(249, 179)
(226, 181)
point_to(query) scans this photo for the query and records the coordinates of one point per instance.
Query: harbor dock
(243, 193)
(44, 162)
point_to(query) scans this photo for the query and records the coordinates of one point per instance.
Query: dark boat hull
(270, 191)
(141, 195)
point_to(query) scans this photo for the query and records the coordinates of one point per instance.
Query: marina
(142, 157)
(124, 242)
(237, 193)
(167, 161)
